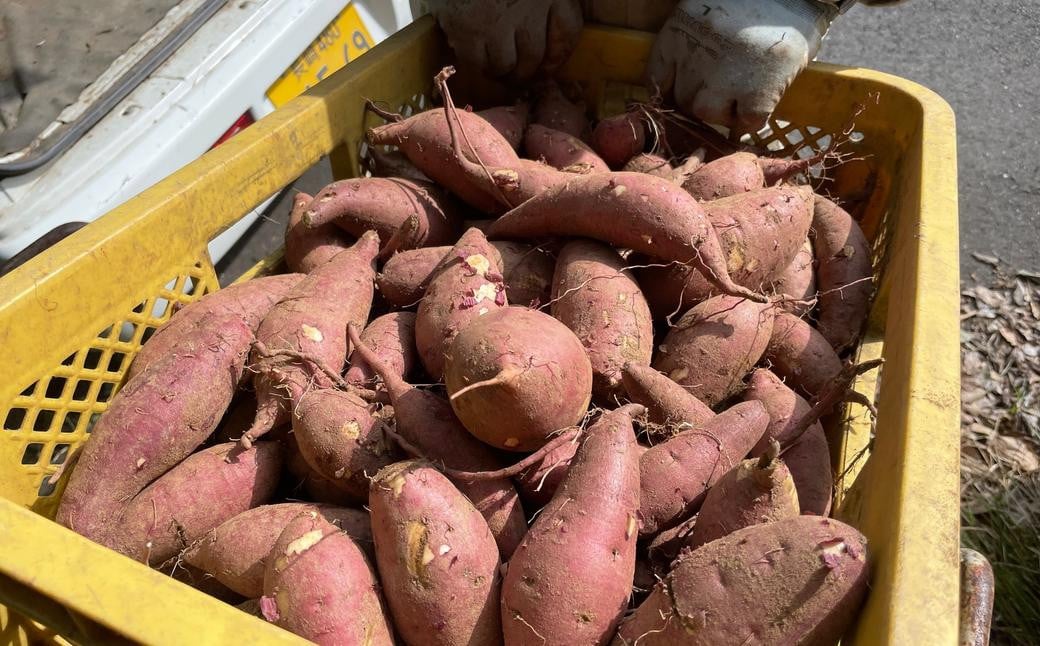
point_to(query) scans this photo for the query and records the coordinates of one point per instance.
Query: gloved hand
(729, 61)
(514, 38)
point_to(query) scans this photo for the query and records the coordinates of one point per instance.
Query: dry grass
(1000, 441)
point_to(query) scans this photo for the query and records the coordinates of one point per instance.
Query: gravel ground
(978, 56)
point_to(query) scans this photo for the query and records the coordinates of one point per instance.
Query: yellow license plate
(343, 40)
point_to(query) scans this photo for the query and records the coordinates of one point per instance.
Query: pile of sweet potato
(620, 363)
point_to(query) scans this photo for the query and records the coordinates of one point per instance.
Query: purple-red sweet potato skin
(319, 585)
(202, 492)
(341, 439)
(236, 551)
(712, 347)
(392, 336)
(548, 387)
(650, 164)
(750, 494)
(809, 458)
(676, 474)
(561, 150)
(427, 421)
(628, 210)
(508, 120)
(404, 277)
(801, 356)
(667, 403)
(302, 482)
(157, 419)
(538, 483)
(526, 270)
(571, 577)
(554, 110)
(761, 232)
(250, 301)
(619, 138)
(436, 557)
(809, 461)
(312, 319)
(466, 286)
(784, 406)
(844, 273)
(383, 205)
(424, 138)
(807, 590)
(730, 175)
(798, 281)
(599, 300)
(308, 248)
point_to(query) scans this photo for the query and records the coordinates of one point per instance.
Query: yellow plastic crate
(72, 319)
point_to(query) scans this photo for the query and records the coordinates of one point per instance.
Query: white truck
(206, 70)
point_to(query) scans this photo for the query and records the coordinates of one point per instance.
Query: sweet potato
(516, 376)
(760, 232)
(844, 274)
(570, 580)
(619, 138)
(740, 172)
(392, 337)
(404, 277)
(795, 581)
(437, 558)
(249, 301)
(759, 490)
(676, 474)
(667, 544)
(801, 356)
(599, 300)
(308, 248)
(561, 150)
(425, 139)
(426, 421)
(798, 281)
(310, 322)
(319, 585)
(159, 417)
(538, 483)
(195, 496)
(393, 163)
(785, 407)
(629, 210)
(236, 551)
(689, 165)
(716, 343)
(554, 110)
(302, 482)
(465, 286)
(383, 205)
(341, 439)
(809, 461)
(526, 270)
(808, 457)
(650, 164)
(668, 404)
(508, 120)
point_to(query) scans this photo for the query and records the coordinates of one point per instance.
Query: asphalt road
(981, 57)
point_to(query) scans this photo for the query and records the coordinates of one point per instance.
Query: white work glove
(510, 38)
(728, 62)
